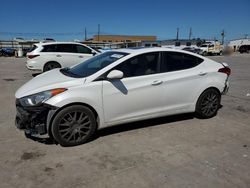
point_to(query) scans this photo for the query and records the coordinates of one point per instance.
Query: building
(235, 44)
(122, 38)
(173, 42)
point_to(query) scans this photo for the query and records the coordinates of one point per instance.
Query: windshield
(204, 45)
(93, 65)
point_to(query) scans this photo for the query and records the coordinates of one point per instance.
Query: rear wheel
(73, 125)
(50, 66)
(208, 104)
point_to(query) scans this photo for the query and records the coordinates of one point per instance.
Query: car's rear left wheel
(73, 125)
(208, 104)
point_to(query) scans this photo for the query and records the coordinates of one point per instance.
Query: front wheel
(73, 125)
(208, 104)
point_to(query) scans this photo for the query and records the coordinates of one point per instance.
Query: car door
(83, 53)
(183, 75)
(138, 94)
(66, 55)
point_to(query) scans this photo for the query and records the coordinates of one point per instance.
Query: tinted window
(33, 48)
(140, 65)
(82, 49)
(174, 61)
(68, 48)
(49, 48)
(203, 45)
(177, 43)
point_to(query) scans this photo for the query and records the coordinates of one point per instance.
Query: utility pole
(177, 34)
(98, 35)
(223, 36)
(85, 34)
(190, 33)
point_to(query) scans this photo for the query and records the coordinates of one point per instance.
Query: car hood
(49, 80)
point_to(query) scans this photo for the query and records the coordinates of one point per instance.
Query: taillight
(225, 70)
(32, 56)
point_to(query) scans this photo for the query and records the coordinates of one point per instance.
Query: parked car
(46, 56)
(193, 49)
(117, 87)
(211, 48)
(49, 40)
(244, 49)
(7, 52)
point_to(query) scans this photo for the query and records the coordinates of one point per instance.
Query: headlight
(39, 98)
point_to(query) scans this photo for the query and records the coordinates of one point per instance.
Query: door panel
(181, 87)
(66, 59)
(132, 97)
(183, 76)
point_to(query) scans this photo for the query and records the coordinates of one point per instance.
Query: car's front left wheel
(73, 125)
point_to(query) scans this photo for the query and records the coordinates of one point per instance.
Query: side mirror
(93, 52)
(115, 74)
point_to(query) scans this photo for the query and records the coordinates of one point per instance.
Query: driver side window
(140, 65)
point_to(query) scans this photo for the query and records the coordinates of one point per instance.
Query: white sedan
(116, 87)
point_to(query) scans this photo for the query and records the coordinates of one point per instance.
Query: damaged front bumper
(33, 120)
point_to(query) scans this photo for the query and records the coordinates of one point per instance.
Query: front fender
(90, 95)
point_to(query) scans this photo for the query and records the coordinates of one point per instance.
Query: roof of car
(144, 50)
(48, 43)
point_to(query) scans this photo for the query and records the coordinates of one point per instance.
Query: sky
(66, 20)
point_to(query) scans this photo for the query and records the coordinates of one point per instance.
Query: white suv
(118, 87)
(47, 56)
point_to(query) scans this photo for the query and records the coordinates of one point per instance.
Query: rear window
(174, 61)
(33, 48)
(49, 48)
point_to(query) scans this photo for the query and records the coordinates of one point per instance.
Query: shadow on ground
(142, 124)
(35, 74)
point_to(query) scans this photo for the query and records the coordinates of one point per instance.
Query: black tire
(27, 135)
(205, 53)
(208, 104)
(73, 125)
(51, 65)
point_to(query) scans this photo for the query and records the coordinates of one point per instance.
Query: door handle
(202, 73)
(157, 82)
(80, 56)
(58, 56)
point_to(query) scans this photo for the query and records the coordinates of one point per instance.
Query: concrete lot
(177, 151)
